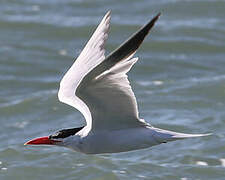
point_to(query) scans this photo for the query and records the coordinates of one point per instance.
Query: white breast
(117, 141)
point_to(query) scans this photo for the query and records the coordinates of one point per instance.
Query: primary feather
(98, 87)
(91, 56)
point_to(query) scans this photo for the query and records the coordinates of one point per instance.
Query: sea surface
(179, 82)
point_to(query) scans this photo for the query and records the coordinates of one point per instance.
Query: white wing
(98, 87)
(106, 90)
(110, 98)
(90, 57)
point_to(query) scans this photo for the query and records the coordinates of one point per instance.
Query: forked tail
(163, 136)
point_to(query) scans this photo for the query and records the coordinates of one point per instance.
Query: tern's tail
(162, 135)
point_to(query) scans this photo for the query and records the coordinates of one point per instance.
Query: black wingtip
(155, 19)
(126, 49)
(151, 23)
(157, 16)
(132, 44)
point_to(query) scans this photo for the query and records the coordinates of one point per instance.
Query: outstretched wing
(90, 57)
(106, 90)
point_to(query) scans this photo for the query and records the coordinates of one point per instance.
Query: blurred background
(179, 82)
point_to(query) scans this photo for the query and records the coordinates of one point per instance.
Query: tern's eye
(65, 133)
(56, 135)
(61, 134)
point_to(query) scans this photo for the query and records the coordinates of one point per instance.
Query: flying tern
(99, 88)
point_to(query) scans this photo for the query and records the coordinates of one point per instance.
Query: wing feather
(111, 100)
(98, 87)
(90, 57)
(107, 91)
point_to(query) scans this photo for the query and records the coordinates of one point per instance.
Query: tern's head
(59, 138)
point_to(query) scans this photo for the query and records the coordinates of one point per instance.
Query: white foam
(141, 176)
(63, 52)
(157, 83)
(119, 172)
(79, 164)
(222, 162)
(183, 178)
(202, 163)
(149, 83)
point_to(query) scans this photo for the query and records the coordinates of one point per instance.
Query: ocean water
(179, 82)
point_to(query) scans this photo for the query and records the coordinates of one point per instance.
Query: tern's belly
(117, 141)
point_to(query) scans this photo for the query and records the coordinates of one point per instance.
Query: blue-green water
(179, 83)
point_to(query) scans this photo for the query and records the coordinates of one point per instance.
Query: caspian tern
(99, 88)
